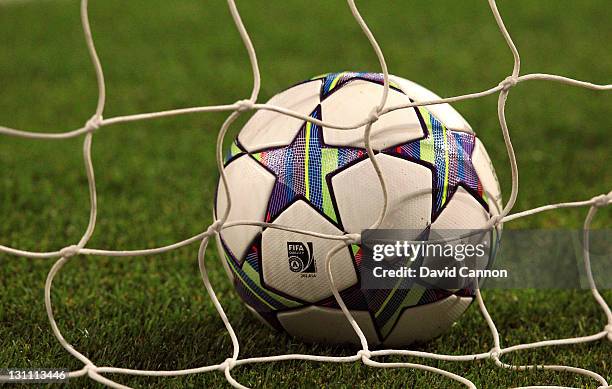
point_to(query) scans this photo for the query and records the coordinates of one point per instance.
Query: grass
(156, 179)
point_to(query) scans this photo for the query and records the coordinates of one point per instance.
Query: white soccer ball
(286, 171)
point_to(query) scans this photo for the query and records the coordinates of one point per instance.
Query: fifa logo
(301, 259)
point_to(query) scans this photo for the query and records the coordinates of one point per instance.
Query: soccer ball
(286, 171)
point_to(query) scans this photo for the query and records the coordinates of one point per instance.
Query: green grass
(156, 179)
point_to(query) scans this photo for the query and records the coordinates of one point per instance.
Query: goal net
(364, 355)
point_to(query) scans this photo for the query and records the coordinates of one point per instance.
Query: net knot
(93, 123)
(352, 238)
(495, 220)
(364, 354)
(495, 353)
(69, 251)
(214, 228)
(228, 364)
(602, 200)
(373, 116)
(508, 82)
(243, 105)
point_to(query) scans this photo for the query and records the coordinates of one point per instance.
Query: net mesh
(364, 355)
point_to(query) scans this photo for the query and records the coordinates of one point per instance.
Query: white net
(364, 355)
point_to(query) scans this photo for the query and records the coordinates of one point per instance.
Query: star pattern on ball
(301, 170)
(448, 154)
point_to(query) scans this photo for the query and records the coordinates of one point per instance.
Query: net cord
(97, 122)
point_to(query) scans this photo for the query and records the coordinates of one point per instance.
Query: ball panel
(359, 196)
(353, 102)
(250, 187)
(294, 264)
(319, 324)
(462, 212)
(449, 117)
(425, 322)
(271, 129)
